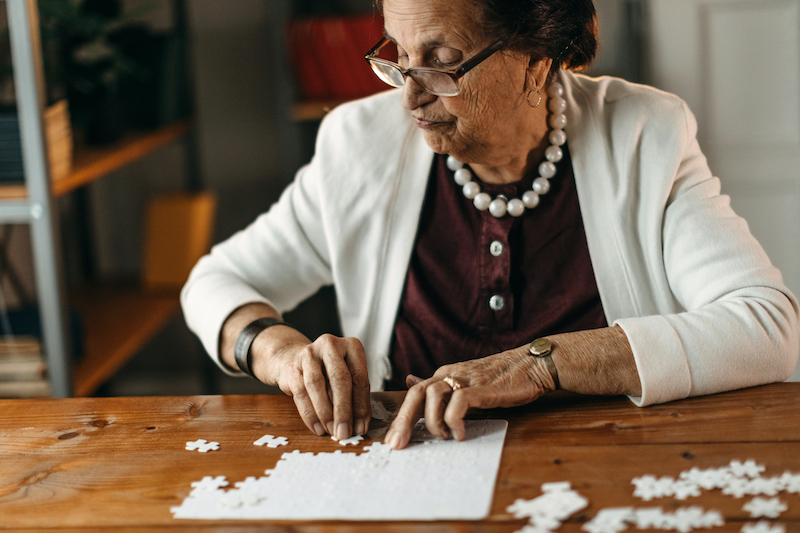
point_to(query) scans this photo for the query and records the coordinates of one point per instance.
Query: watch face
(541, 347)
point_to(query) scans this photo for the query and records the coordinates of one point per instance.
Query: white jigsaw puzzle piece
(762, 507)
(202, 445)
(763, 526)
(355, 439)
(272, 441)
(747, 469)
(549, 510)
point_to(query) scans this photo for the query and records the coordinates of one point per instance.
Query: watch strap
(542, 348)
(244, 342)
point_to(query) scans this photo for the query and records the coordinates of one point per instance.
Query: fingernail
(343, 431)
(394, 441)
(319, 429)
(330, 429)
(359, 429)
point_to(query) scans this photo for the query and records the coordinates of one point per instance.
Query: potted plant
(85, 62)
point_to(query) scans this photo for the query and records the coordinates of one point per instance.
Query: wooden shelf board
(13, 192)
(92, 163)
(117, 322)
(315, 110)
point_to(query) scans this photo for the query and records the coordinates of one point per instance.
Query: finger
(410, 411)
(356, 361)
(304, 406)
(412, 380)
(316, 388)
(461, 401)
(341, 386)
(436, 395)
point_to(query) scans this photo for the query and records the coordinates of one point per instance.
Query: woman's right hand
(327, 378)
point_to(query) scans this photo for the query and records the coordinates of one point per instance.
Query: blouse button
(496, 248)
(497, 302)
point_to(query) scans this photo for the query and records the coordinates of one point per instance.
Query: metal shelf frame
(37, 209)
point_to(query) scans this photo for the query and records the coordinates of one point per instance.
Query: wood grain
(99, 463)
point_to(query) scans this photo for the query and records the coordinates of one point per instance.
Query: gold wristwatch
(542, 348)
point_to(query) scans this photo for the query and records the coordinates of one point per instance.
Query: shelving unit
(93, 163)
(90, 164)
(117, 320)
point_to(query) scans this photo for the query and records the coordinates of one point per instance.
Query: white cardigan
(700, 303)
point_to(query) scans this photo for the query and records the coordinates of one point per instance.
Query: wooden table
(102, 463)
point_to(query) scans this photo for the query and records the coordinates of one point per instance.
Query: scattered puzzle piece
(649, 518)
(684, 519)
(790, 482)
(763, 526)
(355, 439)
(202, 445)
(770, 508)
(610, 520)
(271, 441)
(549, 510)
(747, 469)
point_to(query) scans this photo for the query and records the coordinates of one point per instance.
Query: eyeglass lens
(434, 82)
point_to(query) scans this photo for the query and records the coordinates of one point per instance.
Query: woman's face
(475, 126)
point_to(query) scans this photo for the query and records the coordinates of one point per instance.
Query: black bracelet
(241, 350)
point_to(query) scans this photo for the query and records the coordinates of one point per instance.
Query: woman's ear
(537, 73)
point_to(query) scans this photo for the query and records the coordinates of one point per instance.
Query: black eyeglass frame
(455, 74)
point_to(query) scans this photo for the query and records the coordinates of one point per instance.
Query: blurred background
(221, 101)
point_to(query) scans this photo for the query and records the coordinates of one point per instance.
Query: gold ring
(450, 380)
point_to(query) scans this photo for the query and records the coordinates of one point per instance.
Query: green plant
(82, 57)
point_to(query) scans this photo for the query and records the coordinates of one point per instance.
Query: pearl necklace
(547, 169)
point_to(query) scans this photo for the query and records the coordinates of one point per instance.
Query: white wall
(737, 64)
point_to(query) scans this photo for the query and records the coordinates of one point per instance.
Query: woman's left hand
(506, 379)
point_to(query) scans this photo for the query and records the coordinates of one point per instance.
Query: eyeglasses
(437, 81)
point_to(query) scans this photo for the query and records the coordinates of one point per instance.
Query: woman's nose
(414, 95)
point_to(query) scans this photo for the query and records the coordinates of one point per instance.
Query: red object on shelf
(328, 56)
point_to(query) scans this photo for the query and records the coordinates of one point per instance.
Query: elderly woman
(496, 228)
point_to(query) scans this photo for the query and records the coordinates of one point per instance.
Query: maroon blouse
(478, 285)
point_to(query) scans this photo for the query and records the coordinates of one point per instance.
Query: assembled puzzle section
(381, 483)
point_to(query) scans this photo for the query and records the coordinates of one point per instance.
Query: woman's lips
(428, 124)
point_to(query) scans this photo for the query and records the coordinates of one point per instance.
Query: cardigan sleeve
(280, 259)
(736, 323)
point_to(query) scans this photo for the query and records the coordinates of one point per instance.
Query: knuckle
(295, 379)
(361, 410)
(443, 370)
(307, 356)
(327, 341)
(416, 393)
(355, 345)
(314, 380)
(339, 375)
(360, 380)
(434, 392)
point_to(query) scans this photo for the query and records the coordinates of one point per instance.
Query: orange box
(178, 230)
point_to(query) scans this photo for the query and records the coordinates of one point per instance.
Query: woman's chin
(439, 143)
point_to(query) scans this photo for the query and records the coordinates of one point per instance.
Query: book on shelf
(58, 137)
(58, 133)
(23, 369)
(328, 56)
